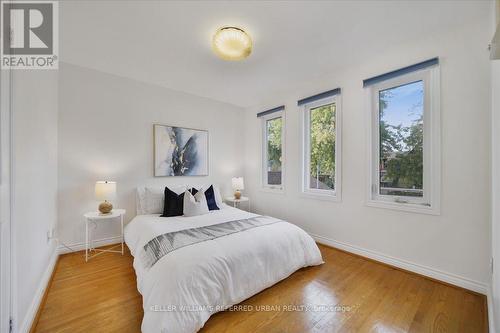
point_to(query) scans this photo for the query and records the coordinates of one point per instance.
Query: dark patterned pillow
(210, 196)
(174, 204)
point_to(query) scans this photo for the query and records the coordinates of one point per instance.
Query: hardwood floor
(101, 296)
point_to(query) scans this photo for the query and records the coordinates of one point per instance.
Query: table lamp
(238, 185)
(105, 190)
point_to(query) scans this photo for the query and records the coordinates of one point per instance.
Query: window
(321, 158)
(404, 169)
(273, 151)
(401, 136)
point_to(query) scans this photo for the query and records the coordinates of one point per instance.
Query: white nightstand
(236, 202)
(97, 217)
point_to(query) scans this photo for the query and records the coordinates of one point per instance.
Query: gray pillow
(195, 204)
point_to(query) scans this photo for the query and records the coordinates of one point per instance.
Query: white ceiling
(168, 43)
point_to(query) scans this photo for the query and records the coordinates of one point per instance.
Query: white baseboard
(61, 249)
(26, 324)
(450, 278)
(37, 298)
(420, 269)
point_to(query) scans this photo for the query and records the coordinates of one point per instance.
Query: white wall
(495, 230)
(105, 132)
(457, 241)
(34, 191)
(495, 220)
(5, 220)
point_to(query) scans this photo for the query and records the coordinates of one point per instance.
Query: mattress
(189, 284)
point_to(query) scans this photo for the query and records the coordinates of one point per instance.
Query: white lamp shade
(105, 190)
(238, 183)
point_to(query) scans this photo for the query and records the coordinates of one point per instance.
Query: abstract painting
(180, 151)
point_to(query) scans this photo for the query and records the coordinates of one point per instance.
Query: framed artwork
(180, 151)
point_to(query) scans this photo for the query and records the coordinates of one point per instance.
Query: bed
(189, 268)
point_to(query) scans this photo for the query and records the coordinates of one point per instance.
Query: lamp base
(105, 207)
(237, 195)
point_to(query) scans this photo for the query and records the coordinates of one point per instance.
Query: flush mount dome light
(231, 43)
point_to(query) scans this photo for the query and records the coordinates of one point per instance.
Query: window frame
(429, 203)
(264, 119)
(306, 191)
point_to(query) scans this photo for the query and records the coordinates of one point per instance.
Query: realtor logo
(29, 31)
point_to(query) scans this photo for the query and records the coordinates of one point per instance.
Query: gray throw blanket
(161, 245)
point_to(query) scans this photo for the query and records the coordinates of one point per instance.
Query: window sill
(406, 207)
(272, 190)
(321, 196)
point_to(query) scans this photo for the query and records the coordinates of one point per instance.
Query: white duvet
(185, 287)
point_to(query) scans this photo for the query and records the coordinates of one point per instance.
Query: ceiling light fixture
(231, 43)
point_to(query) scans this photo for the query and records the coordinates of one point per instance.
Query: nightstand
(97, 217)
(236, 202)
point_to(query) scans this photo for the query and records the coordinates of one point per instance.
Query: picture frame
(179, 151)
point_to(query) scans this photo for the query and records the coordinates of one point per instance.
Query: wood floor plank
(101, 296)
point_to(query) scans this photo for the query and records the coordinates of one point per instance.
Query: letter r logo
(27, 28)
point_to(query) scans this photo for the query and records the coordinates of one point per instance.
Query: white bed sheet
(186, 286)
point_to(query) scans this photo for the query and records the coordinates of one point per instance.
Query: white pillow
(195, 204)
(154, 198)
(140, 200)
(218, 198)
